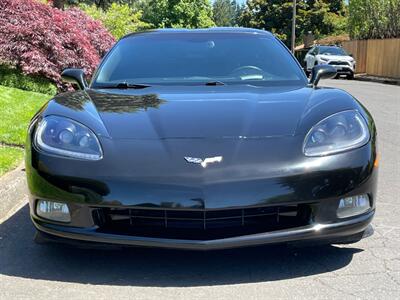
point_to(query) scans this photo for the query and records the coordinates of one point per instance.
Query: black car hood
(200, 112)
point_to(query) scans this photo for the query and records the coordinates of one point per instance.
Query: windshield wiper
(216, 82)
(126, 85)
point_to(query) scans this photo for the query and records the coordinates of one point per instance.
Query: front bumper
(343, 69)
(284, 178)
(312, 233)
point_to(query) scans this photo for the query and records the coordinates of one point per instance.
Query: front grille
(200, 224)
(339, 63)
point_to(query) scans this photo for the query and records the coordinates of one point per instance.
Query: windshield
(332, 51)
(199, 58)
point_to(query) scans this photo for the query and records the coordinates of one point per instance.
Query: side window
(315, 51)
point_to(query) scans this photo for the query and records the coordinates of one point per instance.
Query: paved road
(368, 269)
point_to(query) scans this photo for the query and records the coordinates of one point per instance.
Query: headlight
(340, 132)
(324, 59)
(65, 137)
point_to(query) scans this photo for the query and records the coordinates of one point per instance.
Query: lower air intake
(200, 224)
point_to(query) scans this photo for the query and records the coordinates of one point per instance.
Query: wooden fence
(376, 57)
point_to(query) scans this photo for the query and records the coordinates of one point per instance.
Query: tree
(225, 12)
(325, 17)
(370, 19)
(41, 40)
(273, 15)
(119, 19)
(337, 6)
(179, 13)
(322, 17)
(105, 4)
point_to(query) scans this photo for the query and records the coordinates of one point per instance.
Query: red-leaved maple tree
(42, 40)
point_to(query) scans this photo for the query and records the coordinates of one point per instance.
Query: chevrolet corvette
(201, 139)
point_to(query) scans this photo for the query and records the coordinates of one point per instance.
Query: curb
(383, 80)
(13, 192)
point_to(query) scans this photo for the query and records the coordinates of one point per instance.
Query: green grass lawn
(16, 109)
(9, 158)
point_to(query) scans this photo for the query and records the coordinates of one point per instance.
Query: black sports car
(201, 139)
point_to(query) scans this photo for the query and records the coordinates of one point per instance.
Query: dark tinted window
(327, 50)
(314, 51)
(172, 58)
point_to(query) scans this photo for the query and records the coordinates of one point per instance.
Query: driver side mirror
(321, 72)
(75, 76)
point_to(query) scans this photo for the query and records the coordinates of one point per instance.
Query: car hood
(337, 57)
(200, 112)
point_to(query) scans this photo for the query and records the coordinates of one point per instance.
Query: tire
(350, 76)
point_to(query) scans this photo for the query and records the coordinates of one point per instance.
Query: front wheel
(350, 76)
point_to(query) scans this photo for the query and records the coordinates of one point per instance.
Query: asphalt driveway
(368, 269)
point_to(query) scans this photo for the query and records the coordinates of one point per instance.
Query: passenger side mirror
(321, 72)
(75, 76)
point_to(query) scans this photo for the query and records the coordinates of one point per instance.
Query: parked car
(331, 55)
(201, 139)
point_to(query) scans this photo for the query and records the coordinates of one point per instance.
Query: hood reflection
(109, 102)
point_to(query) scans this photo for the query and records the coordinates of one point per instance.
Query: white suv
(330, 55)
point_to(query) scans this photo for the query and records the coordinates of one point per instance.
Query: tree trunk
(58, 4)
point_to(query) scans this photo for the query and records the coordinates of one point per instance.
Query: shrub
(14, 78)
(42, 41)
(119, 19)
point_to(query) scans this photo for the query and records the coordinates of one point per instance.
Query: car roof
(201, 30)
(328, 46)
